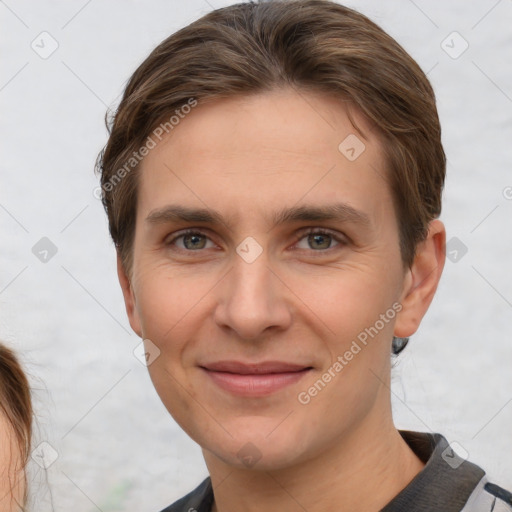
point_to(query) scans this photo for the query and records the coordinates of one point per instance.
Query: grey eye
(319, 240)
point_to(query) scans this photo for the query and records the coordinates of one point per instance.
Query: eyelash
(302, 234)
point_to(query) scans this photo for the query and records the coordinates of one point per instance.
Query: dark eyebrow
(340, 212)
(183, 213)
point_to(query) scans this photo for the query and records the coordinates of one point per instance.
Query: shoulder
(198, 500)
(487, 497)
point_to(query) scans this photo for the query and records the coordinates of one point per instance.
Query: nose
(253, 299)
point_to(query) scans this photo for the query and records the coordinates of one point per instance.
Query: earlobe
(129, 297)
(421, 280)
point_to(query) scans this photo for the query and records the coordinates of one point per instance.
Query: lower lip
(255, 385)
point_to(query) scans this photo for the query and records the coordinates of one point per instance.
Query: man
(273, 184)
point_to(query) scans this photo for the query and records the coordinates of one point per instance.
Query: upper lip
(254, 368)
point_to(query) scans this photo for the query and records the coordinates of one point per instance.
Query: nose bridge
(251, 276)
(253, 298)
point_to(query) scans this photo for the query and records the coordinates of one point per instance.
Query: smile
(254, 379)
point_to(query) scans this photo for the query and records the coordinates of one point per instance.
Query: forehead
(276, 147)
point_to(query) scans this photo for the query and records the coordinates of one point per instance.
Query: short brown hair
(309, 45)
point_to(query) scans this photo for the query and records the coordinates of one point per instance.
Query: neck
(363, 472)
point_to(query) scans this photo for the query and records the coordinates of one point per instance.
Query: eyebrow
(340, 212)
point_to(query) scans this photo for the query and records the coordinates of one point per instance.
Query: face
(263, 255)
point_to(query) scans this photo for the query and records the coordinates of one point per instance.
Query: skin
(302, 300)
(12, 478)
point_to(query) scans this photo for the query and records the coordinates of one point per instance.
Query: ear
(129, 297)
(421, 280)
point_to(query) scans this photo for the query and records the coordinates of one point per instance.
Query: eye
(192, 240)
(319, 240)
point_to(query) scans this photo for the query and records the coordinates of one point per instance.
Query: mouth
(254, 379)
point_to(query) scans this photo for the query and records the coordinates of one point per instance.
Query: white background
(118, 449)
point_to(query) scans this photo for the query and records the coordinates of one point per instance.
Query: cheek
(349, 300)
(359, 307)
(167, 298)
(168, 306)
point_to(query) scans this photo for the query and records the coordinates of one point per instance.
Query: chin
(258, 447)
(257, 457)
